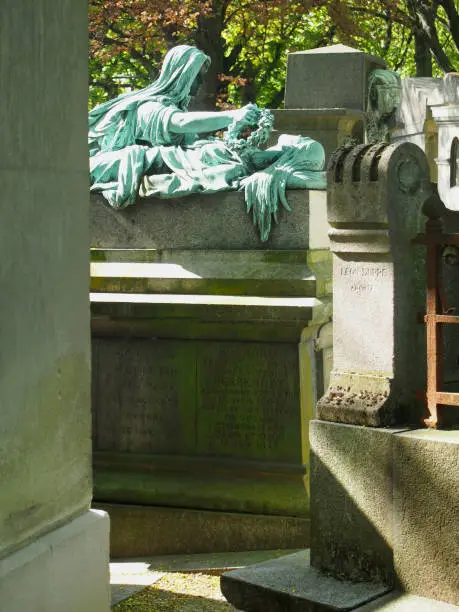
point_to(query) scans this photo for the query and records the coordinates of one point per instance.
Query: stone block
(426, 513)
(329, 77)
(65, 569)
(217, 221)
(217, 413)
(351, 501)
(332, 127)
(45, 451)
(384, 506)
(154, 530)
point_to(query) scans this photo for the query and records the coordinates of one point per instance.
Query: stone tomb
(206, 368)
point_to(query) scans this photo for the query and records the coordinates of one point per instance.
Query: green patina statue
(384, 97)
(147, 143)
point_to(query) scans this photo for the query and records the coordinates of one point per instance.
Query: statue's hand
(247, 115)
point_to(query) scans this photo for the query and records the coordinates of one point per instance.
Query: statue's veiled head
(178, 80)
(181, 74)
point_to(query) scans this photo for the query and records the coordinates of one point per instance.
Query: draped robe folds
(173, 165)
(134, 152)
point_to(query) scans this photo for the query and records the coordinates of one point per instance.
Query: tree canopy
(248, 40)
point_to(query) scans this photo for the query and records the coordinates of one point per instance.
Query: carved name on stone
(362, 279)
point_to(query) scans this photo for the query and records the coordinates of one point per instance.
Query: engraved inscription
(363, 271)
(220, 399)
(363, 279)
(248, 402)
(136, 396)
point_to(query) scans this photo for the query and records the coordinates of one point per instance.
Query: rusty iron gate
(438, 314)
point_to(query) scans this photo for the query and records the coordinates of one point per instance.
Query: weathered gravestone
(384, 506)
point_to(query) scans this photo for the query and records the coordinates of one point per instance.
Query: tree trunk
(422, 56)
(209, 39)
(423, 14)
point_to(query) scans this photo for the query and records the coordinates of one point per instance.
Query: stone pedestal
(384, 507)
(426, 513)
(374, 208)
(384, 516)
(206, 370)
(66, 569)
(326, 96)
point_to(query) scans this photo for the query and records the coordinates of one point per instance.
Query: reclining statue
(147, 143)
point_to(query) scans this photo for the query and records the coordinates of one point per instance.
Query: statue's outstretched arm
(200, 122)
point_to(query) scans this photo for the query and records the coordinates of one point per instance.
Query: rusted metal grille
(437, 315)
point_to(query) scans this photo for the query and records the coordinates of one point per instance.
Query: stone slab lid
(338, 49)
(329, 77)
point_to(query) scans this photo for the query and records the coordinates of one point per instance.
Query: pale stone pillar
(53, 548)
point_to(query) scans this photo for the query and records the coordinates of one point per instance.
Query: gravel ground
(175, 592)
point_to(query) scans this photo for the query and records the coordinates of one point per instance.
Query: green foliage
(249, 41)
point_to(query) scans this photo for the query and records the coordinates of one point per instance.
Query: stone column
(53, 548)
(375, 195)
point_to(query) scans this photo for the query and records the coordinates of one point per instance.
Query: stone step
(405, 602)
(146, 531)
(290, 584)
(208, 307)
(239, 278)
(206, 316)
(209, 483)
(199, 257)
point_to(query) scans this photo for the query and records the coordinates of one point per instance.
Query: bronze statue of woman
(147, 143)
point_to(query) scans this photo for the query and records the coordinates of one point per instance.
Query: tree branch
(146, 65)
(452, 13)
